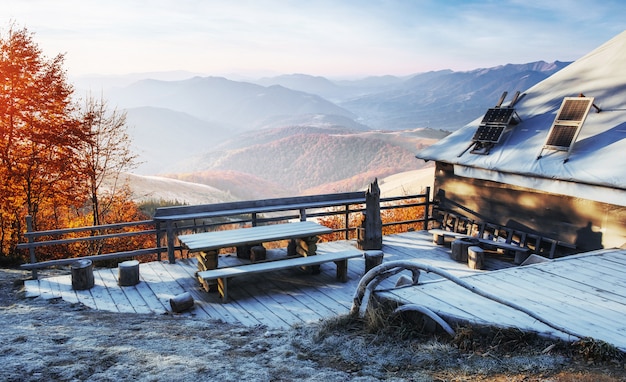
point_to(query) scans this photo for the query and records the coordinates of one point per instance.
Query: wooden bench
(222, 275)
(521, 253)
(439, 235)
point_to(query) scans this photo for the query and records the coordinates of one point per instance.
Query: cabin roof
(595, 168)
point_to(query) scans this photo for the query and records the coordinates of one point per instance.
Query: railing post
(254, 220)
(159, 237)
(427, 209)
(31, 239)
(347, 221)
(170, 242)
(302, 214)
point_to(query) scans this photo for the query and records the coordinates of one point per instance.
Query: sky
(332, 38)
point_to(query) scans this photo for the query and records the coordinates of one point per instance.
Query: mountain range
(298, 133)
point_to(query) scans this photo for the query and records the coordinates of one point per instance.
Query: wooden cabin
(550, 160)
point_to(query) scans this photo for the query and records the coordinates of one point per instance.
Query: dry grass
(473, 354)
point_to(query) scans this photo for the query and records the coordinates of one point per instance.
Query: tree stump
(82, 274)
(458, 248)
(258, 253)
(181, 302)
(128, 273)
(243, 251)
(475, 257)
(373, 258)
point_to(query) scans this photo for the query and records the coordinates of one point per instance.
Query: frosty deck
(585, 293)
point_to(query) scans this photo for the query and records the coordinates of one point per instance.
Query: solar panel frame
(498, 115)
(568, 123)
(493, 124)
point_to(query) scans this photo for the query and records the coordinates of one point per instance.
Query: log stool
(373, 258)
(181, 302)
(475, 257)
(459, 248)
(82, 274)
(258, 253)
(128, 273)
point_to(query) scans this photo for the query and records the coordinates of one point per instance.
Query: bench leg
(342, 270)
(439, 239)
(222, 288)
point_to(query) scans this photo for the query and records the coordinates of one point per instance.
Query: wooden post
(427, 209)
(157, 227)
(373, 258)
(31, 250)
(82, 274)
(128, 273)
(347, 221)
(181, 302)
(171, 257)
(372, 234)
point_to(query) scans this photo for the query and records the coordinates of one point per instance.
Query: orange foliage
(43, 149)
(399, 214)
(39, 139)
(392, 215)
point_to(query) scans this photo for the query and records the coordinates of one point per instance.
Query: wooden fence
(164, 244)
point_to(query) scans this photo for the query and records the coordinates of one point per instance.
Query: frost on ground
(54, 340)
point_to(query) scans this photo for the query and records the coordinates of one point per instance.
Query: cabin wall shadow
(588, 224)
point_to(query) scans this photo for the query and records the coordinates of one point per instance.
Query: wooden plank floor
(277, 299)
(585, 293)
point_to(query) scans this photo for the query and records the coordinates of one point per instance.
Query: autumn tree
(105, 156)
(39, 138)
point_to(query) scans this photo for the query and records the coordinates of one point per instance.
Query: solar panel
(493, 124)
(498, 115)
(568, 122)
(574, 109)
(488, 133)
(561, 136)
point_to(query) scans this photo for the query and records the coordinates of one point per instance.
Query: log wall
(586, 223)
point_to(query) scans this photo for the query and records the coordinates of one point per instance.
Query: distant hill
(192, 189)
(232, 104)
(163, 136)
(446, 99)
(296, 160)
(237, 185)
(155, 188)
(297, 133)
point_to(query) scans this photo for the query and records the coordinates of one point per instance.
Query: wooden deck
(585, 293)
(276, 299)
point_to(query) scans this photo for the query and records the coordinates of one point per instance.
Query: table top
(254, 235)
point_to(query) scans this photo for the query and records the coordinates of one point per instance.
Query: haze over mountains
(298, 133)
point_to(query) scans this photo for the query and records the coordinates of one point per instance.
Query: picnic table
(209, 244)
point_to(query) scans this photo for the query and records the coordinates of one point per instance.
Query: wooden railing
(164, 236)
